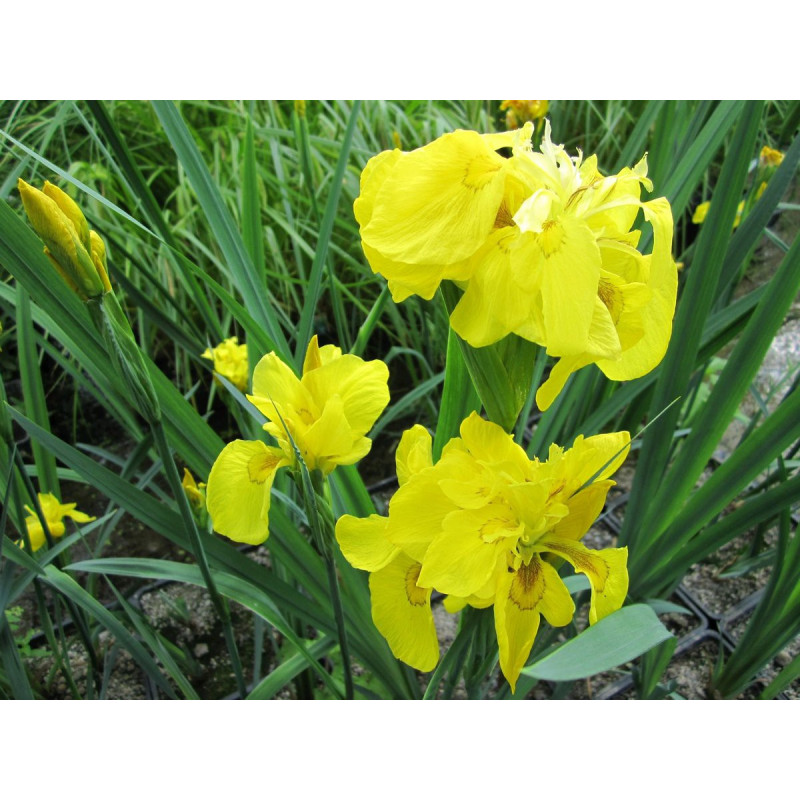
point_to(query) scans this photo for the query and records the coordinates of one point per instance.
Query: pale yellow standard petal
(606, 570)
(401, 611)
(522, 596)
(364, 543)
(238, 490)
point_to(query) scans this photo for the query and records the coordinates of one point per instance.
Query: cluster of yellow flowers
(541, 245)
(483, 526)
(540, 242)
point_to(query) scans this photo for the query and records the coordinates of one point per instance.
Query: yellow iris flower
(230, 361)
(769, 157)
(194, 491)
(541, 243)
(483, 525)
(54, 513)
(325, 414)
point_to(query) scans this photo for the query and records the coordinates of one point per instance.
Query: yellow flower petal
(490, 444)
(494, 304)
(606, 570)
(416, 512)
(413, 453)
(364, 543)
(465, 555)
(276, 385)
(657, 314)
(437, 205)
(361, 385)
(54, 512)
(522, 596)
(701, 212)
(583, 509)
(238, 490)
(402, 613)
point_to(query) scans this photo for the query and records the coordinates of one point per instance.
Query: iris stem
(317, 493)
(196, 544)
(338, 612)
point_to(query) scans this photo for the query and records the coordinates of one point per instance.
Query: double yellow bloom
(483, 525)
(325, 415)
(540, 242)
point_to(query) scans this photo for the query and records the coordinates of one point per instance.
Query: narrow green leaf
(12, 663)
(33, 392)
(732, 383)
(230, 586)
(313, 289)
(786, 676)
(254, 292)
(290, 668)
(143, 194)
(695, 304)
(615, 640)
(459, 398)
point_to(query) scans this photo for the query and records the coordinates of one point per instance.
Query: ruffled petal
(489, 444)
(361, 385)
(437, 204)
